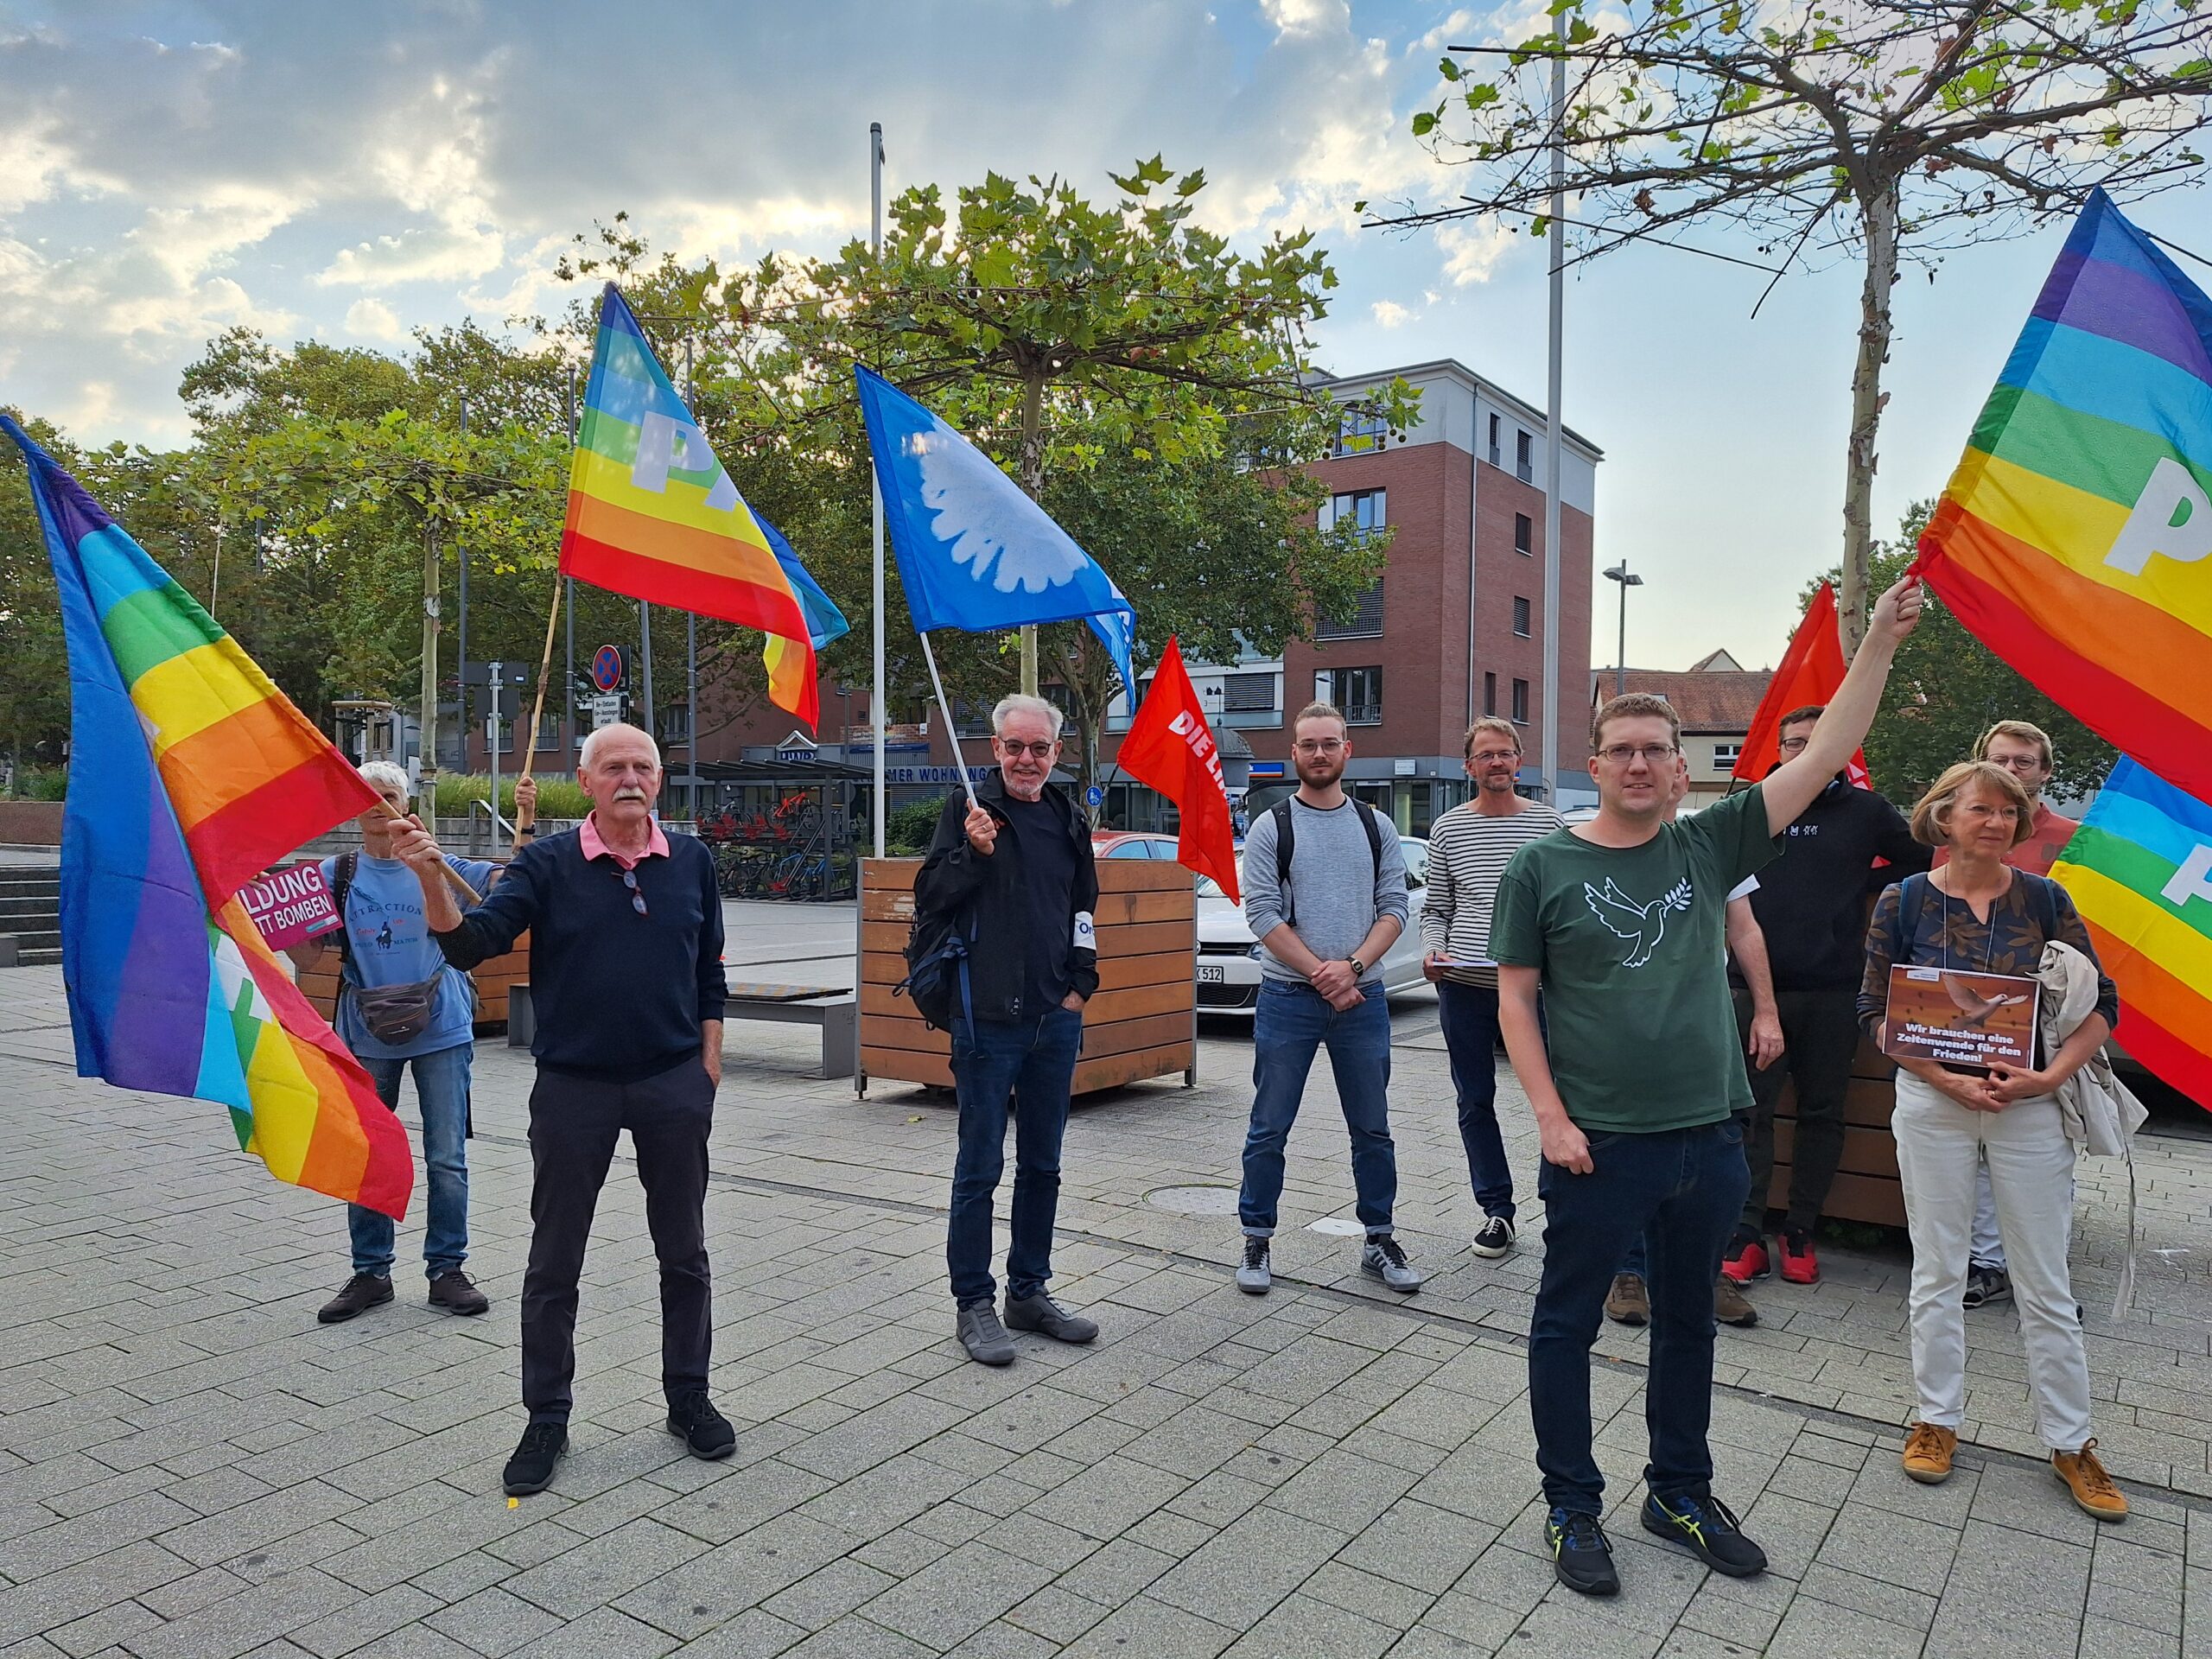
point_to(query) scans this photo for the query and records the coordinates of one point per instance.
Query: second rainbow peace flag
(2073, 538)
(652, 514)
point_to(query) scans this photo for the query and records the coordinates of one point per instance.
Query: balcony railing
(1361, 714)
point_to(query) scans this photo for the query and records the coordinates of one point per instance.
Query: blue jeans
(442, 1091)
(1679, 1192)
(1290, 1022)
(1027, 1065)
(1469, 1016)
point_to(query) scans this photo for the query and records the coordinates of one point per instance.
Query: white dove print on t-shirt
(1642, 924)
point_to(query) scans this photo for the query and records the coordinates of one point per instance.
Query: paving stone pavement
(190, 1467)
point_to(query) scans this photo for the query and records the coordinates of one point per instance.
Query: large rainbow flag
(652, 514)
(2139, 870)
(190, 773)
(2073, 538)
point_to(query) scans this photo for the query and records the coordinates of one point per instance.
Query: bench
(833, 1007)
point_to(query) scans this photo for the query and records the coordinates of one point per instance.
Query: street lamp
(1619, 573)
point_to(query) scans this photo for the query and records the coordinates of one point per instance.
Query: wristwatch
(1358, 968)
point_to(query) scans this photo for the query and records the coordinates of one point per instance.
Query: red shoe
(1745, 1261)
(1799, 1266)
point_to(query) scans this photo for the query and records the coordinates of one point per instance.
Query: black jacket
(954, 877)
(1811, 902)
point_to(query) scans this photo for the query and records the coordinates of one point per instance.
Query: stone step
(41, 906)
(42, 957)
(27, 943)
(30, 884)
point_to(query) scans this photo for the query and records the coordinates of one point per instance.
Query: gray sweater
(1335, 892)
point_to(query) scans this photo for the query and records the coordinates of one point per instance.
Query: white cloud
(374, 319)
(439, 255)
(1305, 16)
(1389, 313)
(1471, 250)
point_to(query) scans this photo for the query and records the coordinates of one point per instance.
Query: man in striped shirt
(1468, 847)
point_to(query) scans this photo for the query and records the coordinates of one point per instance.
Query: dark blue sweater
(617, 996)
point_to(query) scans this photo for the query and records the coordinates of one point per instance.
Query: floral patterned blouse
(2011, 942)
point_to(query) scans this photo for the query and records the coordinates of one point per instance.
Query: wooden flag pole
(454, 879)
(537, 708)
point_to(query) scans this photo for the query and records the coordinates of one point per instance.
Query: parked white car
(1229, 965)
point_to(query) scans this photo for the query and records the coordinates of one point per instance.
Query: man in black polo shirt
(625, 979)
(1012, 871)
(1811, 905)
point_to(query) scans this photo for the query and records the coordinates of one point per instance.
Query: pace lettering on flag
(652, 514)
(2073, 538)
(189, 773)
(975, 552)
(1170, 746)
(1811, 672)
(2139, 870)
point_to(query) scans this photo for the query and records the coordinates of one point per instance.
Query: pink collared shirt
(587, 838)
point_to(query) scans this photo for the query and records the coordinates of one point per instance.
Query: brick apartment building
(1454, 628)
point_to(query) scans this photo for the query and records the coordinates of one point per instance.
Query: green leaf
(1424, 122)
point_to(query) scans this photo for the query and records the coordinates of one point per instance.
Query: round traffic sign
(606, 667)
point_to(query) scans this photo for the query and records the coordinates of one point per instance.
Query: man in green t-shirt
(1619, 921)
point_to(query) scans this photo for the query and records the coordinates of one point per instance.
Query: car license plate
(1209, 974)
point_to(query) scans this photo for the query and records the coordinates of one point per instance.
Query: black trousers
(574, 1122)
(1819, 1034)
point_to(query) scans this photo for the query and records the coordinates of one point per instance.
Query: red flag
(1811, 672)
(1170, 746)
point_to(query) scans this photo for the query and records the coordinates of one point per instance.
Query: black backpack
(937, 970)
(1287, 838)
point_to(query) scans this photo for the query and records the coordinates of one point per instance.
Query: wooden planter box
(1143, 1023)
(1866, 1187)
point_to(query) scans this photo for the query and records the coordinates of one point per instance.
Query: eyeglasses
(1319, 745)
(1621, 754)
(1014, 749)
(637, 897)
(1491, 757)
(2020, 763)
(1793, 745)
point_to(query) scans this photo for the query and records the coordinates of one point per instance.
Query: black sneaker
(1987, 1284)
(1580, 1556)
(362, 1292)
(530, 1469)
(1255, 1274)
(1493, 1238)
(1707, 1528)
(456, 1292)
(702, 1428)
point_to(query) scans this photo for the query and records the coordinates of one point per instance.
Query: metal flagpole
(1557, 243)
(568, 588)
(460, 552)
(944, 706)
(876, 696)
(690, 630)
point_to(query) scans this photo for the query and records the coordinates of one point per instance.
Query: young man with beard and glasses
(1468, 847)
(2024, 750)
(1811, 906)
(1013, 873)
(1323, 927)
(625, 979)
(1620, 921)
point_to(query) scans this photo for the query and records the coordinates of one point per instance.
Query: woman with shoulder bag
(1978, 914)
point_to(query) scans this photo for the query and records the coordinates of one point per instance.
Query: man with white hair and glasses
(1010, 877)
(626, 983)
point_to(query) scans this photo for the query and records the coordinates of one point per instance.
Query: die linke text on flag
(1170, 746)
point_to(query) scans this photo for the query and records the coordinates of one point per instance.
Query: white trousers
(1940, 1144)
(1988, 1248)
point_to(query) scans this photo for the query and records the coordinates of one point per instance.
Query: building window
(1495, 426)
(1366, 509)
(1489, 694)
(1520, 703)
(1360, 432)
(1725, 756)
(1524, 463)
(1357, 693)
(1521, 616)
(549, 730)
(1364, 618)
(1524, 533)
(1247, 693)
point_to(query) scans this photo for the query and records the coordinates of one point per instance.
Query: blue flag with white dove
(975, 552)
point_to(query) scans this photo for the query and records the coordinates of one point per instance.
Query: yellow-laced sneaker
(1928, 1452)
(2092, 1487)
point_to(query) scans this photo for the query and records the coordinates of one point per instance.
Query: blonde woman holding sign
(1978, 914)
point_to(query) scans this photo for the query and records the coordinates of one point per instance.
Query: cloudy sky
(350, 172)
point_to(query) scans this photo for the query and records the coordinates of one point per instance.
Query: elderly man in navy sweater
(625, 978)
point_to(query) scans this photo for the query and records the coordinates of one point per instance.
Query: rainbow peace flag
(190, 774)
(2073, 538)
(652, 514)
(2139, 870)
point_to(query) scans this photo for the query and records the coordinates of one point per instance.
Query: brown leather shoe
(454, 1291)
(1731, 1306)
(1628, 1302)
(1928, 1453)
(2092, 1487)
